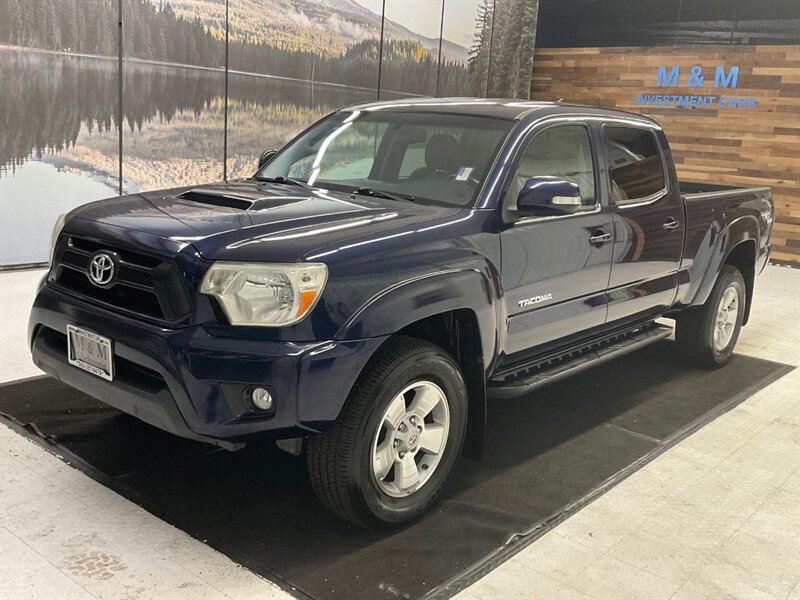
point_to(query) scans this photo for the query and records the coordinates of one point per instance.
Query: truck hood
(248, 220)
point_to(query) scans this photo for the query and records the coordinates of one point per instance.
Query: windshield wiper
(284, 180)
(381, 194)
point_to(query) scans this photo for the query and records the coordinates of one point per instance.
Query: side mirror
(545, 196)
(266, 156)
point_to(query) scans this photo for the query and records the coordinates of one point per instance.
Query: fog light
(261, 398)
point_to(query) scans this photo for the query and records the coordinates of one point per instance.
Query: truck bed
(696, 191)
(710, 209)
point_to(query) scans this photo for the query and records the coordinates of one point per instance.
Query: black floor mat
(545, 456)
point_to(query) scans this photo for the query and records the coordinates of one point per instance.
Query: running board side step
(553, 369)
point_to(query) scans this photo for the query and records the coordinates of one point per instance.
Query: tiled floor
(717, 516)
(57, 525)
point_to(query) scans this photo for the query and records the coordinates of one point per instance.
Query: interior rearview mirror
(411, 135)
(266, 156)
(542, 196)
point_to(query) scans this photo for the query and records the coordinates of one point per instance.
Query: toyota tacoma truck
(387, 273)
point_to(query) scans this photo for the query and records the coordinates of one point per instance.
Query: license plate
(90, 352)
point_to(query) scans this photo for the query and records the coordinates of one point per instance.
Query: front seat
(442, 156)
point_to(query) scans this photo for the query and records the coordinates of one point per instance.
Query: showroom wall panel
(58, 147)
(290, 62)
(591, 23)
(410, 51)
(742, 130)
(466, 31)
(748, 135)
(511, 47)
(174, 121)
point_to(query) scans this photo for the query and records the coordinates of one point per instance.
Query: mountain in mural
(323, 27)
(306, 43)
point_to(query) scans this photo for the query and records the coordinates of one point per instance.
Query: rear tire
(706, 335)
(397, 439)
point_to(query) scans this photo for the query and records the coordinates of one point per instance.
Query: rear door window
(635, 165)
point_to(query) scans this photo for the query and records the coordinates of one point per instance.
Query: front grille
(73, 259)
(135, 276)
(143, 284)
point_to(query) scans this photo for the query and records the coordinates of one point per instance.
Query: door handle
(599, 236)
(671, 224)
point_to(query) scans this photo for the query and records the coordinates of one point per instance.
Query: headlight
(56, 232)
(266, 295)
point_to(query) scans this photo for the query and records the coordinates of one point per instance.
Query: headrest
(442, 153)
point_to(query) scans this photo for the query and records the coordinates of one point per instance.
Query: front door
(648, 225)
(555, 269)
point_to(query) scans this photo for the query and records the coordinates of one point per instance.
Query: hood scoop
(202, 196)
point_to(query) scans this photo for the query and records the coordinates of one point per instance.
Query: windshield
(420, 157)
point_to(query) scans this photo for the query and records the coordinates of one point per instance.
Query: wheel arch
(458, 332)
(743, 256)
(736, 245)
(454, 309)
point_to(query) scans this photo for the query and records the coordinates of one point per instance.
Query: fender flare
(417, 298)
(422, 296)
(742, 230)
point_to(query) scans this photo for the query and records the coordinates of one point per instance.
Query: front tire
(707, 335)
(397, 439)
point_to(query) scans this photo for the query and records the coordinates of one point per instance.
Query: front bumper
(192, 384)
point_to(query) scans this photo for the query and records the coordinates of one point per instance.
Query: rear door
(648, 223)
(555, 269)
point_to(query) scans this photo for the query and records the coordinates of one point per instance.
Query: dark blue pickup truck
(385, 274)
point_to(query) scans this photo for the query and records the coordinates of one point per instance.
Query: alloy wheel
(411, 438)
(727, 315)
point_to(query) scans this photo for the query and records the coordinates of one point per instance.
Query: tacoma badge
(535, 300)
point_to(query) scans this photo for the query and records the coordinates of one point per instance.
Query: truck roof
(499, 108)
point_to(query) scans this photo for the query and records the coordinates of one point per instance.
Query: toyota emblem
(101, 269)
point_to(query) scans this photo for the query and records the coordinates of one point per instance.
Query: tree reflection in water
(64, 106)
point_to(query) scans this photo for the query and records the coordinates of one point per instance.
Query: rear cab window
(635, 164)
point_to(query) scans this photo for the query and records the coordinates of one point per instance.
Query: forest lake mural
(290, 63)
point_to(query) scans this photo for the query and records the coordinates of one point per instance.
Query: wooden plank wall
(736, 146)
